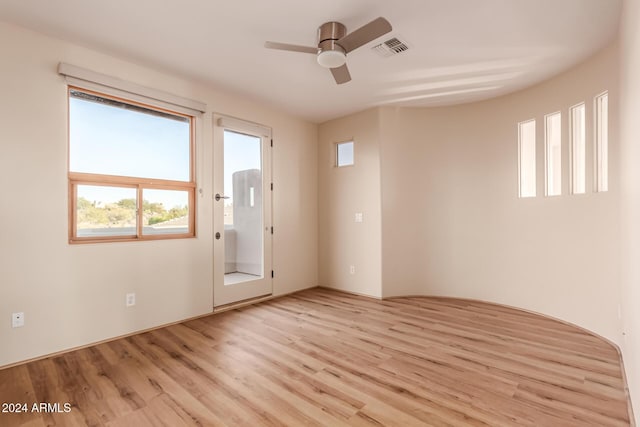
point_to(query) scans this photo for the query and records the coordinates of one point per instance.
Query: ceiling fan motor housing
(328, 34)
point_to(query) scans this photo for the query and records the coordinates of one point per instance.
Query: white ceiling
(460, 50)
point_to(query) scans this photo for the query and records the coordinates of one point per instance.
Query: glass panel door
(242, 230)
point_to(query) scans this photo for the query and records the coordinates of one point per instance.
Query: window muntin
(578, 149)
(124, 157)
(602, 142)
(345, 154)
(527, 158)
(553, 154)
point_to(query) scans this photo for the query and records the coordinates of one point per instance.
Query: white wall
(452, 221)
(74, 294)
(630, 194)
(341, 193)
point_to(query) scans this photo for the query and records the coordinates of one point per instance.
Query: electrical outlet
(358, 217)
(17, 320)
(352, 269)
(131, 300)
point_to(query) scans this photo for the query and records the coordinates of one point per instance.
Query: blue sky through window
(345, 153)
(115, 141)
(241, 152)
(107, 139)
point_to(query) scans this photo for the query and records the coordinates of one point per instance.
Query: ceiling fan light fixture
(334, 44)
(332, 58)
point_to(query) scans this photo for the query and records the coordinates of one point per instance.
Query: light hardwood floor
(326, 358)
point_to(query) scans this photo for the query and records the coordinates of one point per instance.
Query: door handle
(218, 236)
(218, 197)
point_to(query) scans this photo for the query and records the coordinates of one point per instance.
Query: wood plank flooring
(324, 358)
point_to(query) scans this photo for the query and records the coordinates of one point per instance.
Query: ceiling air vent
(390, 47)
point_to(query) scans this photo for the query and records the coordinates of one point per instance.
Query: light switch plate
(17, 320)
(358, 217)
(130, 300)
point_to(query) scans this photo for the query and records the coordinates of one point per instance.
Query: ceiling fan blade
(291, 47)
(365, 34)
(341, 74)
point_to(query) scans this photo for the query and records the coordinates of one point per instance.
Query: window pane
(527, 153)
(165, 212)
(578, 153)
(243, 209)
(242, 171)
(344, 154)
(105, 211)
(553, 147)
(113, 138)
(602, 142)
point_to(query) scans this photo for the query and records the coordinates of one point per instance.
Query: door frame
(222, 295)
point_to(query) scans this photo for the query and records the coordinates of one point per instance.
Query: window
(602, 142)
(344, 154)
(578, 149)
(553, 154)
(243, 175)
(527, 158)
(130, 170)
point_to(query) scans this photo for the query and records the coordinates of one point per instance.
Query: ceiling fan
(334, 43)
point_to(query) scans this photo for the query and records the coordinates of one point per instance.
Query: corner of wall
(349, 251)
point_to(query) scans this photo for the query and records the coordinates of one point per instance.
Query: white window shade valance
(92, 80)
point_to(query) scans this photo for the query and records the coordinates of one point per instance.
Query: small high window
(130, 170)
(578, 149)
(553, 154)
(527, 158)
(602, 142)
(344, 154)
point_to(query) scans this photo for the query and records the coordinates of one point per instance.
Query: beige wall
(437, 187)
(74, 294)
(630, 194)
(341, 193)
(453, 225)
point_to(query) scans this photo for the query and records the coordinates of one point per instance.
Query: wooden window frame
(138, 183)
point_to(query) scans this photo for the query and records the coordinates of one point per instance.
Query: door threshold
(243, 303)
